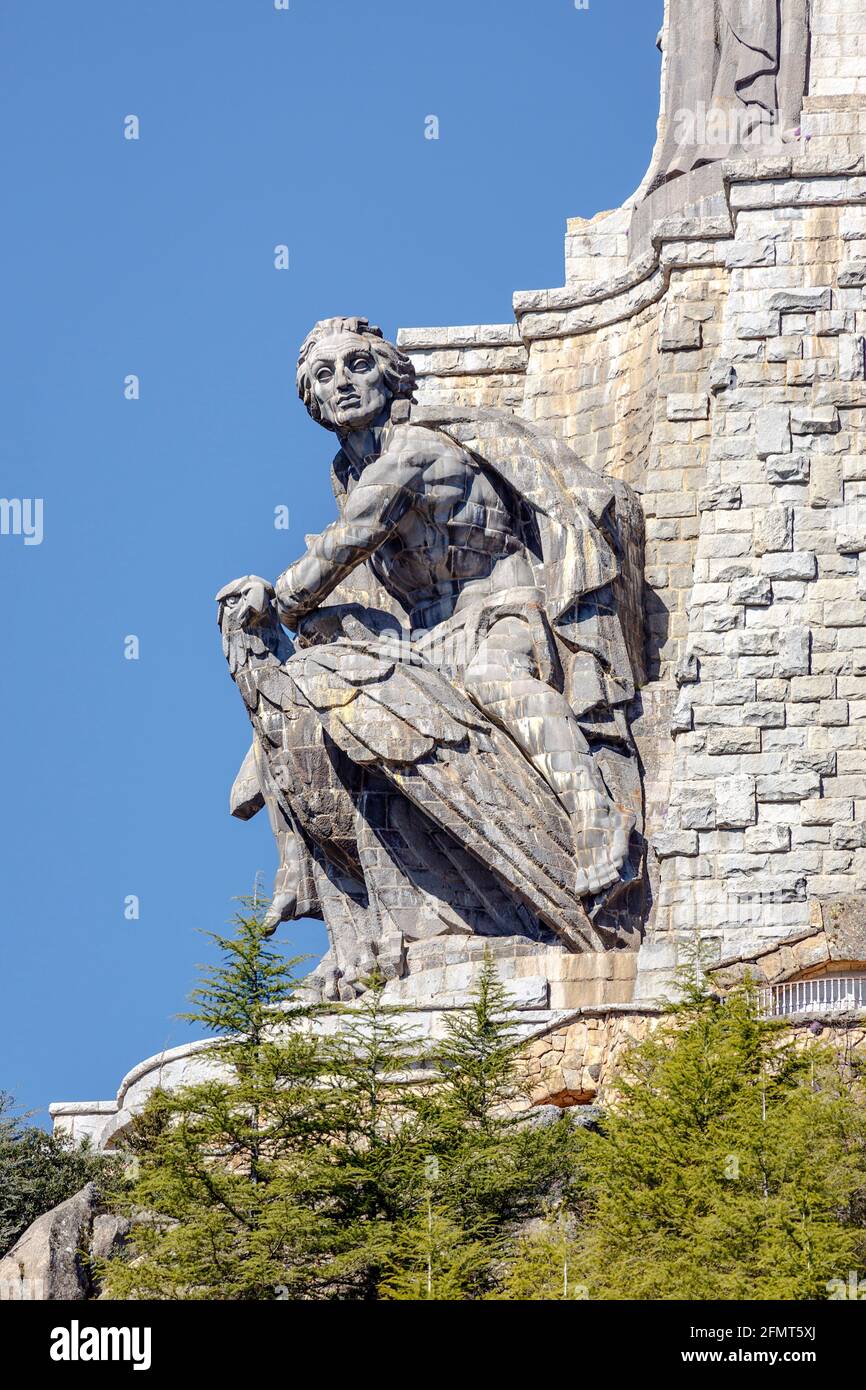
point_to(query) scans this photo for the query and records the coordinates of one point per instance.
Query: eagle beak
(255, 603)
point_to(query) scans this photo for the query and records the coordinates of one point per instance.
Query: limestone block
(744, 254)
(799, 564)
(826, 811)
(845, 613)
(851, 836)
(758, 325)
(696, 808)
(678, 332)
(789, 786)
(806, 298)
(794, 652)
(722, 375)
(735, 802)
(767, 838)
(788, 468)
(805, 688)
(852, 275)
(731, 741)
(773, 431)
(851, 540)
(774, 530)
(845, 924)
(785, 348)
(754, 590)
(720, 498)
(688, 406)
(825, 484)
(852, 358)
(672, 843)
(815, 419)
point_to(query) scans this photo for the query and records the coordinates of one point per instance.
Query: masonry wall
(722, 373)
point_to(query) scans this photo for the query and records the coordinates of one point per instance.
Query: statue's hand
(294, 598)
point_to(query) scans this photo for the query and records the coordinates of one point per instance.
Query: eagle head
(250, 627)
(245, 604)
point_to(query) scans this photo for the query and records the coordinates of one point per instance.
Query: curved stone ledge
(679, 242)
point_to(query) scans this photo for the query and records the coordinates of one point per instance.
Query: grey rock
(735, 806)
(50, 1260)
(852, 275)
(669, 844)
(807, 298)
(109, 1237)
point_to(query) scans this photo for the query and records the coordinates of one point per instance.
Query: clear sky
(155, 257)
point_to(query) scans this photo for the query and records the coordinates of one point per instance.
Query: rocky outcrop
(54, 1259)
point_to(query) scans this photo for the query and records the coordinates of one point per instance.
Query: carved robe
(735, 77)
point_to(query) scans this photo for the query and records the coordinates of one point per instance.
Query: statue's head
(348, 374)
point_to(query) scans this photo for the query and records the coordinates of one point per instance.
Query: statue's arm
(387, 489)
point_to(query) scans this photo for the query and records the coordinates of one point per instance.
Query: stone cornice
(678, 243)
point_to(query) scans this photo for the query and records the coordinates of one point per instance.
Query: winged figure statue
(444, 747)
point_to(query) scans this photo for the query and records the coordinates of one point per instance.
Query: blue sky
(154, 257)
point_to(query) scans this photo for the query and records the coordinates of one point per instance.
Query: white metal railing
(831, 994)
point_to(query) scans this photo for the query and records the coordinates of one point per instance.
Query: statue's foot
(382, 958)
(322, 985)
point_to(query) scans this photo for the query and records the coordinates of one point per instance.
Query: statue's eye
(232, 601)
(361, 364)
(324, 374)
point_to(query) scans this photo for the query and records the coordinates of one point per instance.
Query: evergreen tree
(499, 1168)
(433, 1258)
(221, 1194)
(730, 1165)
(474, 1168)
(542, 1263)
(368, 1181)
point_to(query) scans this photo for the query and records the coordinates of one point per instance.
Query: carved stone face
(348, 382)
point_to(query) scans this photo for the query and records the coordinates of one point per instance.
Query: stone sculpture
(736, 73)
(444, 748)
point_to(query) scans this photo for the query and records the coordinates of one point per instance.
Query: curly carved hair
(397, 368)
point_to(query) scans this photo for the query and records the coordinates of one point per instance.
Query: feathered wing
(468, 776)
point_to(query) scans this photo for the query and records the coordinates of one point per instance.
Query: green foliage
(543, 1262)
(37, 1171)
(496, 1170)
(351, 1167)
(221, 1194)
(433, 1258)
(353, 1163)
(429, 1175)
(731, 1165)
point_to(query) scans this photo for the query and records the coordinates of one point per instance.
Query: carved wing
(468, 776)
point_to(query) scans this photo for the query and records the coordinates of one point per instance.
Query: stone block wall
(721, 371)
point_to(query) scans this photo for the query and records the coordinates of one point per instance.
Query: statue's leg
(503, 679)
